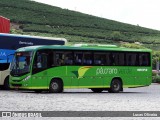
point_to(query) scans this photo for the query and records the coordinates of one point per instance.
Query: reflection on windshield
(21, 63)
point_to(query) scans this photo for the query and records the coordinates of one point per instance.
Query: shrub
(154, 72)
(156, 79)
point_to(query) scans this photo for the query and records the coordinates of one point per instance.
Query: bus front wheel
(116, 86)
(56, 86)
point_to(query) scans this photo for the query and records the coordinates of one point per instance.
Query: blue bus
(10, 42)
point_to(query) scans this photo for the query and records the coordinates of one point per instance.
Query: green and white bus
(97, 67)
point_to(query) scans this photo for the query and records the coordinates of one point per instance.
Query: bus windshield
(21, 63)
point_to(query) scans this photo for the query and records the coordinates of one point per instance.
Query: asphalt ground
(131, 99)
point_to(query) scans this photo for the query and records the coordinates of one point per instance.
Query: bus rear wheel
(116, 86)
(56, 86)
(97, 90)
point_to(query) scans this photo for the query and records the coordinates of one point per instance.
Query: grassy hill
(29, 17)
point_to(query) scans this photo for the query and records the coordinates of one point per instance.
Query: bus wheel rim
(116, 86)
(55, 86)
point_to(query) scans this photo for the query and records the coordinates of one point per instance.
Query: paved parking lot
(132, 99)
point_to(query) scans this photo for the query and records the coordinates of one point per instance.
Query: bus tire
(6, 83)
(56, 86)
(116, 86)
(97, 90)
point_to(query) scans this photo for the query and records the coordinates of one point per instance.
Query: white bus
(10, 42)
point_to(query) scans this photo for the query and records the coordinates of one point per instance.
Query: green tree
(116, 35)
(156, 59)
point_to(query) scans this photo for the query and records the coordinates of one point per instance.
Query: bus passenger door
(39, 71)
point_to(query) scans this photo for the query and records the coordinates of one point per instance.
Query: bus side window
(99, 58)
(121, 59)
(137, 60)
(107, 59)
(134, 59)
(51, 62)
(44, 61)
(116, 58)
(88, 58)
(147, 59)
(144, 59)
(4, 66)
(40, 61)
(68, 58)
(78, 56)
(59, 58)
(131, 59)
(111, 59)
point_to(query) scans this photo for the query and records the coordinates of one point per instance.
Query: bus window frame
(93, 52)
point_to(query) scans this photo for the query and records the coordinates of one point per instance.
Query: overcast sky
(145, 13)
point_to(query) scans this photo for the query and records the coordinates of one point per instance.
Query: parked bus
(10, 42)
(96, 67)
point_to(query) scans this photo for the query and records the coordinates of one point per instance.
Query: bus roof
(98, 48)
(13, 42)
(28, 36)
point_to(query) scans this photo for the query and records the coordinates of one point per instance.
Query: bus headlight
(25, 79)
